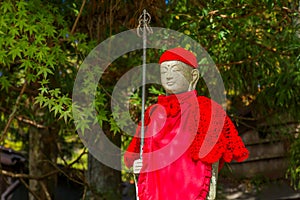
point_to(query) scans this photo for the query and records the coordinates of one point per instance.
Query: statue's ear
(195, 79)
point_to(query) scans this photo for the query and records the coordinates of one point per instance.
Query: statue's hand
(137, 166)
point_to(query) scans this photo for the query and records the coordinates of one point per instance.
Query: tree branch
(14, 175)
(12, 115)
(24, 119)
(29, 189)
(48, 197)
(78, 16)
(31, 122)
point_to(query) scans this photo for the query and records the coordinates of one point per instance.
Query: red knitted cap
(179, 54)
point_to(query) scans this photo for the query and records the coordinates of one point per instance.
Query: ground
(255, 189)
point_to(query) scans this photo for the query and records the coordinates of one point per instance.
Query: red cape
(184, 135)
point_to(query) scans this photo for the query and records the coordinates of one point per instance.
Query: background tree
(39, 57)
(100, 20)
(254, 44)
(256, 48)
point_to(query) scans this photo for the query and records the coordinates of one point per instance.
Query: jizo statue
(171, 167)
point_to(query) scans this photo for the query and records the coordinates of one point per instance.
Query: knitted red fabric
(229, 145)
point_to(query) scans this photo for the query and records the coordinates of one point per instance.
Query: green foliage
(38, 51)
(255, 45)
(294, 168)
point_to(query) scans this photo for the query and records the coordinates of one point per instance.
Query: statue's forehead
(170, 63)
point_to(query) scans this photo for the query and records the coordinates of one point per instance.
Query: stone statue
(175, 129)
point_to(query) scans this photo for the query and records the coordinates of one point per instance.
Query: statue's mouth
(170, 83)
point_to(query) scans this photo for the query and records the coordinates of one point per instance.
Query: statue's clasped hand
(137, 166)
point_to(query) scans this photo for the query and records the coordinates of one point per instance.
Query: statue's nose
(169, 75)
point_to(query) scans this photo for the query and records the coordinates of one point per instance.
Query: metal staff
(213, 182)
(143, 27)
(144, 21)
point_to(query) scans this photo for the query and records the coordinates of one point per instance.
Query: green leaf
(44, 71)
(64, 100)
(153, 90)
(43, 90)
(14, 32)
(40, 99)
(66, 115)
(21, 5)
(21, 14)
(50, 102)
(3, 56)
(39, 39)
(16, 51)
(101, 117)
(31, 51)
(21, 24)
(26, 64)
(55, 92)
(31, 78)
(6, 7)
(44, 82)
(82, 125)
(5, 83)
(3, 24)
(50, 61)
(113, 126)
(50, 30)
(10, 41)
(56, 108)
(32, 29)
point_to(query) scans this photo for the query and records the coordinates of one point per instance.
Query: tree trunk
(104, 182)
(42, 157)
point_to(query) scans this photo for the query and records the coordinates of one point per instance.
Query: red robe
(184, 135)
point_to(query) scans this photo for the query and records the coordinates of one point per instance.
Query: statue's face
(175, 77)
